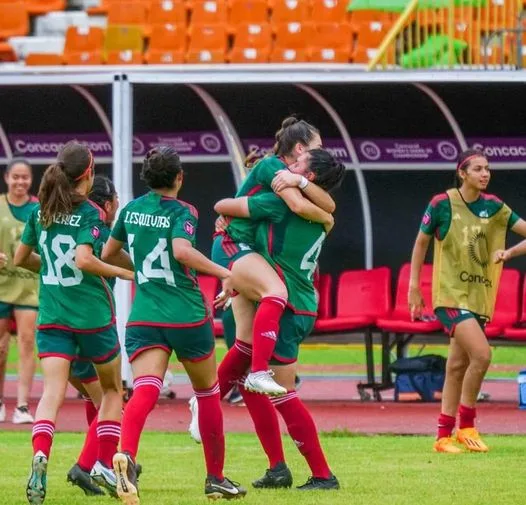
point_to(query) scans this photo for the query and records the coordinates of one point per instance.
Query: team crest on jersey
(95, 232)
(189, 228)
(426, 219)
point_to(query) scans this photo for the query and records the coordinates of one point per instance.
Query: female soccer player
(291, 245)
(168, 314)
(252, 275)
(76, 309)
(83, 375)
(18, 287)
(469, 226)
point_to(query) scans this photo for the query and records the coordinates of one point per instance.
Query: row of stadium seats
(364, 299)
(290, 42)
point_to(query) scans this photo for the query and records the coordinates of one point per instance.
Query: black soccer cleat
(126, 474)
(225, 489)
(82, 479)
(317, 483)
(275, 478)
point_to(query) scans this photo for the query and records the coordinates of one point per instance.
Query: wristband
(303, 183)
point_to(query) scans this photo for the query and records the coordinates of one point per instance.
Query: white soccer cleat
(263, 383)
(3, 414)
(193, 427)
(21, 415)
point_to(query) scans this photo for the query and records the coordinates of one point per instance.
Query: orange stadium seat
(38, 7)
(294, 35)
(289, 55)
(251, 44)
(167, 12)
(44, 59)
(14, 20)
(371, 33)
(370, 15)
(127, 13)
(507, 305)
(209, 12)
(83, 45)
(7, 53)
(288, 11)
(332, 43)
(329, 11)
(167, 45)
(244, 12)
(208, 44)
(124, 57)
(363, 296)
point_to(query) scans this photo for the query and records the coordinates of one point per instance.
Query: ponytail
(56, 194)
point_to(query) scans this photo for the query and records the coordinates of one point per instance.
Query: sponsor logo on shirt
(189, 228)
(475, 279)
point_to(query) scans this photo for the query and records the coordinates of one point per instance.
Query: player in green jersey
(469, 227)
(253, 277)
(83, 376)
(292, 246)
(168, 315)
(76, 309)
(18, 287)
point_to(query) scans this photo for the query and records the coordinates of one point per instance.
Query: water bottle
(521, 379)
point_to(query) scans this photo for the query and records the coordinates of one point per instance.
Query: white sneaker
(3, 414)
(262, 382)
(193, 427)
(21, 415)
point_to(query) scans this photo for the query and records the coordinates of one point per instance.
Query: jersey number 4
(148, 271)
(64, 258)
(310, 258)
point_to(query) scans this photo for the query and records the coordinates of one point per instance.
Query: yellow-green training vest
(17, 285)
(464, 274)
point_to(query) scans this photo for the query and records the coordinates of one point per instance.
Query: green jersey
(69, 298)
(243, 231)
(105, 232)
(291, 245)
(167, 292)
(437, 217)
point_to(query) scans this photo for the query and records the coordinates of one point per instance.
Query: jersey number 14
(147, 271)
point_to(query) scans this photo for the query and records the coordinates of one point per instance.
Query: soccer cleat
(274, 478)
(470, 438)
(126, 473)
(263, 383)
(82, 479)
(446, 444)
(36, 485)
(226, 489)
(104, 477)
(3, 414)
(193, 427)
(21, 415)
(317, 483)
(235, 397)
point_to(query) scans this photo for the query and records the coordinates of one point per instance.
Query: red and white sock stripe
(285, 398)
(203, 393)
(44, 428)
(108, 429)
(276, 299)
(243, 347)
(148, 380)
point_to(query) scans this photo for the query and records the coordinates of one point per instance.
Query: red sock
(211, 429)
(446, 425)
(266, 330)
(266, 422)
(91, 410)
(43, 432)
(88, 455)
(467, 417)
(108, 435)
(233, 366)
(146, 391)
(304, 433)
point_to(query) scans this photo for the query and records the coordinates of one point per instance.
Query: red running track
(333, 403)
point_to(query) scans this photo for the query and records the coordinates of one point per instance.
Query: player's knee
(481, 359)
(26, 343)
(456, 367)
